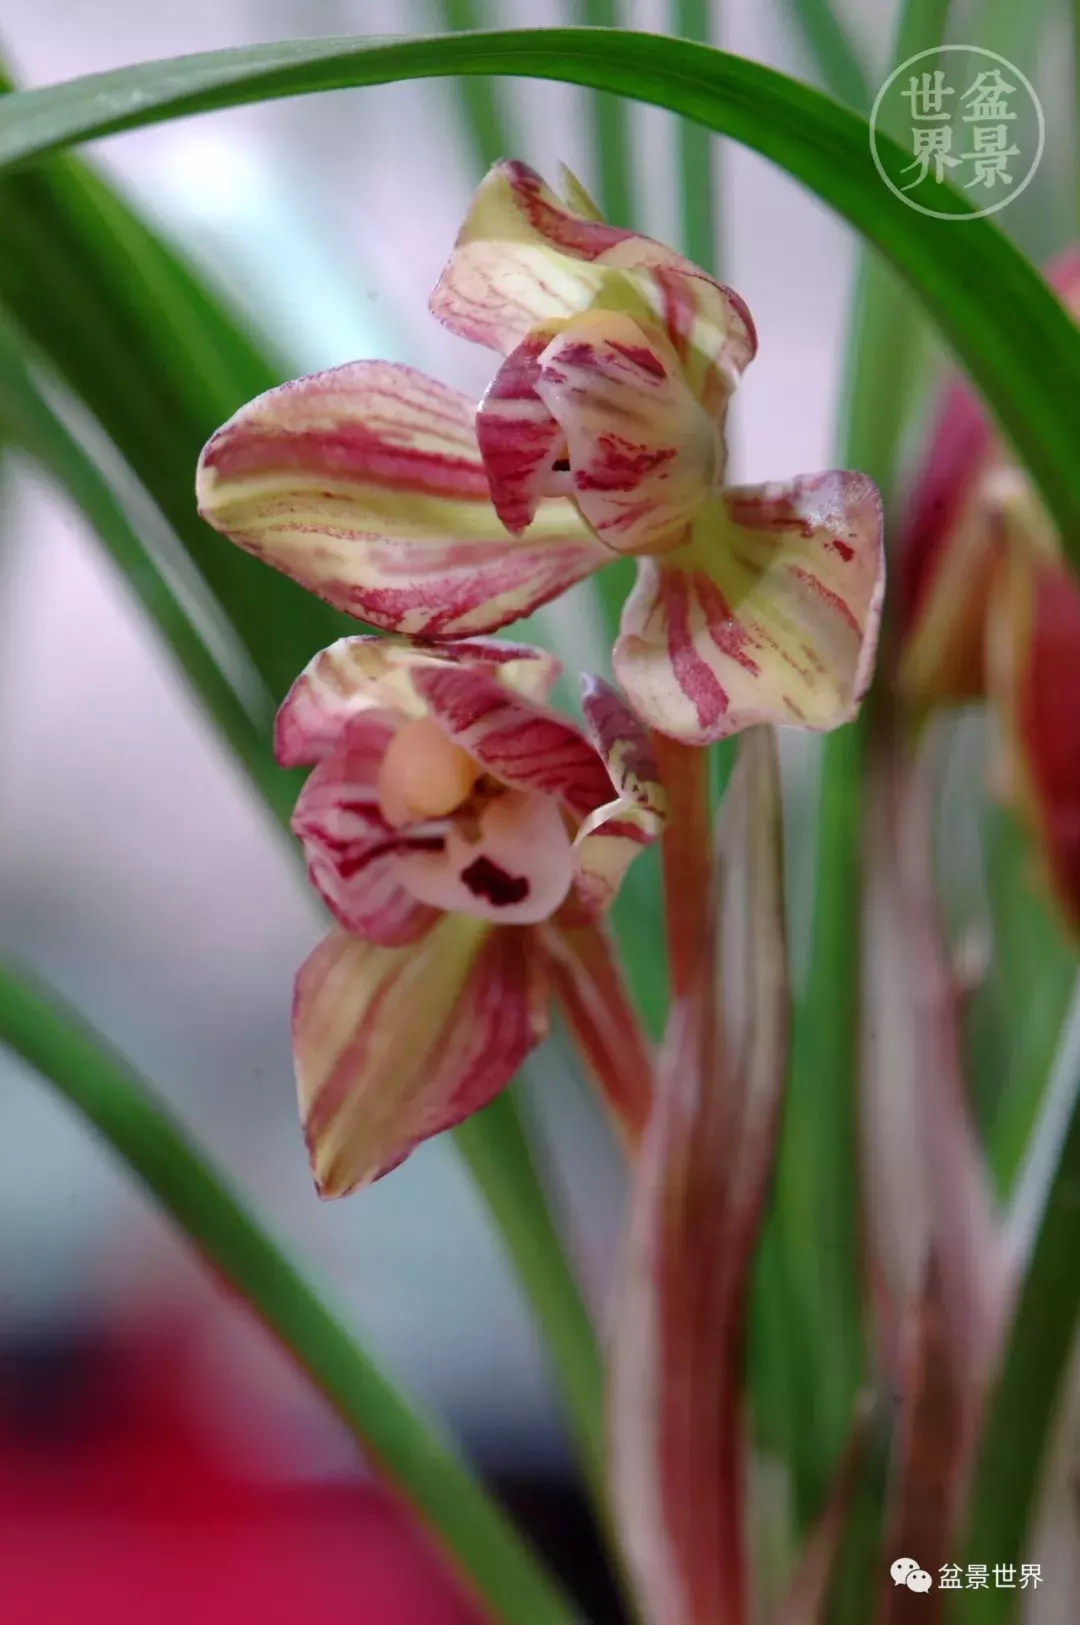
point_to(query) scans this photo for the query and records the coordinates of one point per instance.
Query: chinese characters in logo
(963, 116)
(984, 107)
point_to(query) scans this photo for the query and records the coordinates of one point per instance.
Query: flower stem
(603, 1022)
(406, 1448)
(686, 854)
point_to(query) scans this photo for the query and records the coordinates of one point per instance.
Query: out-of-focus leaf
(161, 366)
(698, 173)
(1028, 988)
(838, 62)
(405, 1447)
(28, 420)
(499, 1156)
(816, 1200)
(1026, 1392)
(1020, 348)
(483, 102)
(698, 1193)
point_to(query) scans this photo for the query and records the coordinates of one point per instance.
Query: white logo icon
(906, 1572)
(964, 117)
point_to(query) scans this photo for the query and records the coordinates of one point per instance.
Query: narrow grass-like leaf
(838, 62)
(697, 170)
(406, 1448)
(29, 421)
(498, 1155)
(991, 305)
(1030, 985)
(612, 157)
(160, 365)
(483, 103)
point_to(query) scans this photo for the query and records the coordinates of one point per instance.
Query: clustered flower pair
(452, 821)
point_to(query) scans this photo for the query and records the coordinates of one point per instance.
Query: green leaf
(406, 1448)
(696, 167)
(498, 1155)
(28, 421)
(161, 366)
(838, 62)
(1019, 1011)
(992, 307)
(483, 104)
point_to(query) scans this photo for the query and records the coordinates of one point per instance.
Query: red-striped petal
(393, 1045)
(354, 856)
(357, 675)
(523, 259)
(643, 452)
(519, 439)
(612, 836)
(366, 485)
(769, 615)
(520, 744)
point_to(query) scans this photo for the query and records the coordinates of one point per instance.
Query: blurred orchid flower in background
(448, 817)
(602, 433)
(989, 609)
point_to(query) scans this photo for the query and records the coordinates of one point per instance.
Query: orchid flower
(450, 816)
(405, 504)
(990, 610)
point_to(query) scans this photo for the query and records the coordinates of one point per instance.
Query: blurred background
(146, 1428)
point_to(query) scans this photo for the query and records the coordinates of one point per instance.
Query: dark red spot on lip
(486, 879)
(845, 550)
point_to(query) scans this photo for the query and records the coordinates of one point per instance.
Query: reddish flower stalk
(699, 1191)
(686, 852)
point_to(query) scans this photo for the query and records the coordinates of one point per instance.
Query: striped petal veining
(770, 614)
(643, 452)
(365, 484)
(393, 1045)
(362, 674)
